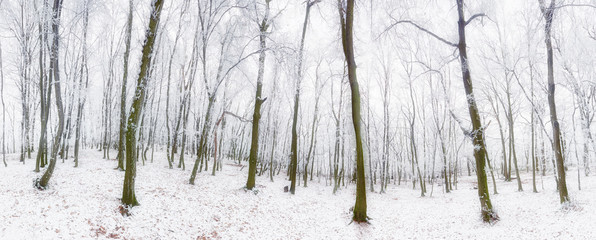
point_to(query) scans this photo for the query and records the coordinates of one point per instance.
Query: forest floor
(83, 203)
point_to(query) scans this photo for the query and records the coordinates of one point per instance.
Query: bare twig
(422, 29)
(474, 17)
(575, 5)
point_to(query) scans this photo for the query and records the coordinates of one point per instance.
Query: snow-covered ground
(83, 203)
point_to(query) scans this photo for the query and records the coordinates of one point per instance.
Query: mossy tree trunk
(128, 191)
(347, 22)
(254, 144)
(488, 214)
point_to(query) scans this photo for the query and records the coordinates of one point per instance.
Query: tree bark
(548, 13)
(488, 214)
(128, 192)
(254, 145)
(122, 129)
(55, 68)
(294, 145)
(44, 91)
(347, 22)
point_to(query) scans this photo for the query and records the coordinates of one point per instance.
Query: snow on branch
(466, 131)
(234, 115)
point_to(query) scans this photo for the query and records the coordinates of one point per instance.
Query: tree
(3, 109)
(108, 96)
(346, 16)
(488, 215)
(312, 149)
(548, 13)
(128, 192)
(45, 90)
(55, 70)
(335, 171)
(263, 25)
(176, 40)
(210, 16)
(122, 131)
(294, 145)
(84, 75)
(23, 28)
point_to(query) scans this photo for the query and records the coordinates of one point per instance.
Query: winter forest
(309, 119)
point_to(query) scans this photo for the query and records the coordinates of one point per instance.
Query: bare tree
(55, 77)
(488, 214)
(122, 129)
(3, 109)
(211, 15)
(548, 13)
(294, 145)
(263, 24)
(346, 16)
(83, 76)
(22, 29)
(45, 88)
(128, 193)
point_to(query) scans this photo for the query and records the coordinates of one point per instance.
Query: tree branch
(474, 17)
(467, 132)
(592, 34)
(575, 5)
(234, 115)
(421, 29)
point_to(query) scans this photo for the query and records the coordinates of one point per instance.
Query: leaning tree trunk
(55, 68)
(203, 152)
(128, 192)
(548, 14)
(347, 22)
(488, 214)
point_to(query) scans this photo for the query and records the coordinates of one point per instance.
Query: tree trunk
(3, 109)
(254, 145)
(82, 97)
(488, 215)
(122, 129)
(548, 14)
(347, 22)
(294, 145)
(128, 192)
(203, 151)
(44, 91)
(55, 68)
